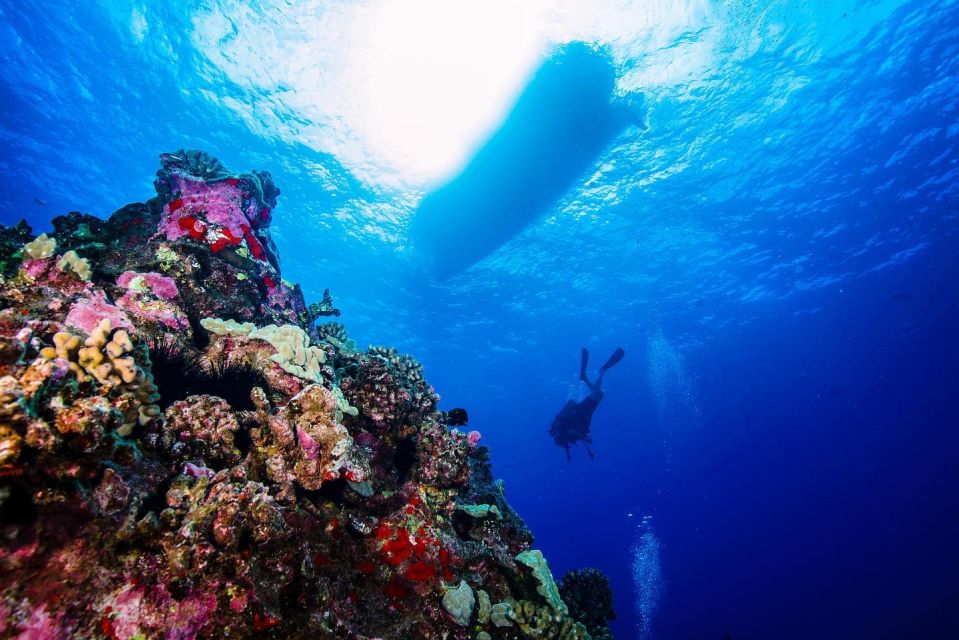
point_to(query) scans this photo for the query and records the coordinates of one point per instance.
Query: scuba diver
(571, 424)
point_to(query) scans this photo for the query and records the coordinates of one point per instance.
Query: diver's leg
(589, 451)
(583, 363)
(568, 457)
(614, 360)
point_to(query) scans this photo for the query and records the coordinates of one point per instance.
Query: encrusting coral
(275, 481)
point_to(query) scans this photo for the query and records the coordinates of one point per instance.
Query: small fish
(457, 417)
(40, 201)
(170, 157)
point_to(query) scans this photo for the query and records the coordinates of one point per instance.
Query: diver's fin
(613, 360)
(583, 362)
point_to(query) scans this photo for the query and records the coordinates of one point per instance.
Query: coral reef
(590, 600)
(184, 455)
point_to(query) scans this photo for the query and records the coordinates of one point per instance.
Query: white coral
(294, 353)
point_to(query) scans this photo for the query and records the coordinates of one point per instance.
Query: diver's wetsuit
(572, 423)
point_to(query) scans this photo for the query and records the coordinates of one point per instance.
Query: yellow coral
(9, 444)
(107, 356)
(73, 262)
(539, 621)
(40, 247)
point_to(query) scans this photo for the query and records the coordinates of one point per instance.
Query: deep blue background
(783, 234)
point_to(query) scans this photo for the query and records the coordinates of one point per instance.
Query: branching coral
(386, 386)
(201, 429)
(335, 334)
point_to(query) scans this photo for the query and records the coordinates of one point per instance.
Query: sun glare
(438, 75)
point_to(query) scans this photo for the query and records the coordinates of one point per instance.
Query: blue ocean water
(771, 235)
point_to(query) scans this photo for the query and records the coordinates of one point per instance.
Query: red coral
(445, 562)
(398, 551)
(262, 622)
(226, 239)
(366, 567)
(420, 571)
(194, 227)
(395, 590)
(106, 625)
(255, 247)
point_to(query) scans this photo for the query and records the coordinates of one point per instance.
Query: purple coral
(219, 214)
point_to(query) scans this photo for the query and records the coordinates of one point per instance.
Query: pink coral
(136, 608)
(148, 296)
(35, 268)
(473, 437)
(86, 314)
(159, 285)
(42, 626)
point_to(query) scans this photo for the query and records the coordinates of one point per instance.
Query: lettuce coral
(41, 247)
(72, 262)
(294, 353)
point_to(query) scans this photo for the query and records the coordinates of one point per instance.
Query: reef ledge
(185, 453)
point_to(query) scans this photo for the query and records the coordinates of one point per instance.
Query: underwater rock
(183, 455)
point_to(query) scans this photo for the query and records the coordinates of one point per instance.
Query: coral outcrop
(590, 600)
(184, 455)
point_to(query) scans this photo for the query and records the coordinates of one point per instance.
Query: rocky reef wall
(185, 453)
